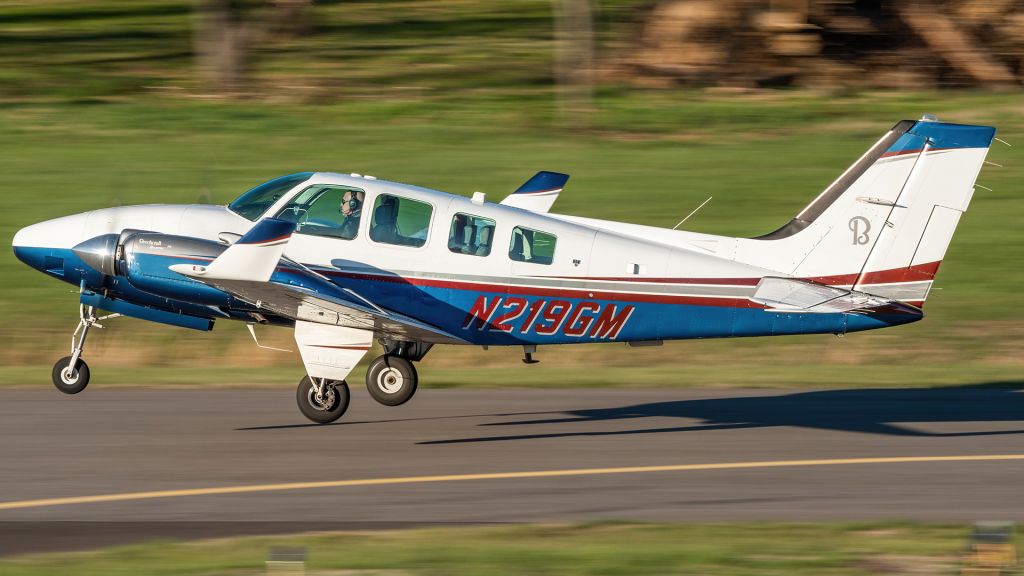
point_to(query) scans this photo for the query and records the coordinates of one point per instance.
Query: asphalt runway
(140, 463)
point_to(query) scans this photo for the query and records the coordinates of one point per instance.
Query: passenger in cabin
(352, 209)
(457, 239)
(483, 245)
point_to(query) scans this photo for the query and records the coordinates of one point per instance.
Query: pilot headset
(353, 203)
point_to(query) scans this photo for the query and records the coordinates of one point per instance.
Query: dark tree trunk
(225, 34)
(574, 60)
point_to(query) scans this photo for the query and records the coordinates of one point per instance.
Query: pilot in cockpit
(351, 208)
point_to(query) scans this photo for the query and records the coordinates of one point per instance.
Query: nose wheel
(71, 373)
(322, 401)
(70, 378)
(391, 380)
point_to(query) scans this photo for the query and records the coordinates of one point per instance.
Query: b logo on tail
(860, 236)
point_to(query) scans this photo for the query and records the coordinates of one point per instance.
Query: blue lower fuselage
(484, 313)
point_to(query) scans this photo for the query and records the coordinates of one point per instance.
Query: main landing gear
(71, 373)
(322, 401)
(391, 380)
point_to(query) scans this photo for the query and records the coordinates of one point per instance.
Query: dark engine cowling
(143, 259)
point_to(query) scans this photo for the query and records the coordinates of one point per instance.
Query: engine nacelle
(143, 259)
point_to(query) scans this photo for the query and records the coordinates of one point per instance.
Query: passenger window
(532, 246)
(400, 221)
(471, 235)
(332, 211)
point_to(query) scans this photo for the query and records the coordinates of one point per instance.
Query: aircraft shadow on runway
(886, 411)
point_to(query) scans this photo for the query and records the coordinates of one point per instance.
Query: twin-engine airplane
(346, 259)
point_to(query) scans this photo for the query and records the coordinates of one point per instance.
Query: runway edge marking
(120, 497)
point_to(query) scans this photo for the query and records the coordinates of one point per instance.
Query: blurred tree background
(651, 105)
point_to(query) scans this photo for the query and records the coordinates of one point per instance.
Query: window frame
(326, 186)
(430, 221)
(511, 240)
(285, 195)
(490, 245)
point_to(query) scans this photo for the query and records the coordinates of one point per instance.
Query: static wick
(993, 164)
(1003, 141)
(692, 213)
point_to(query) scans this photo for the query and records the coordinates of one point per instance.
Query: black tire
(335, 404)
(73, 382)
(391, 380)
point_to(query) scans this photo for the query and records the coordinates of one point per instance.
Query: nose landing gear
(71, 373)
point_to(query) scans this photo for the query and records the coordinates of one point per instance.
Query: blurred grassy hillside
(98, 108)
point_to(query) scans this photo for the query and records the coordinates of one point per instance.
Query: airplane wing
(302, 303)
(794, 295)
(245, 271)
(539, 193)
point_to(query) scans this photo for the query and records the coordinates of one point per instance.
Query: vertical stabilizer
(884, 225)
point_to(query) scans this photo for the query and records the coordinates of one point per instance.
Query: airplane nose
(32, 244)
(23, 249)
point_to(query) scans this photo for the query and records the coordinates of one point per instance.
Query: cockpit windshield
(255, 202)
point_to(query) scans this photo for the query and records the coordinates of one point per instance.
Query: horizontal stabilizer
(253, 257)
(792, 295)
(539, 193)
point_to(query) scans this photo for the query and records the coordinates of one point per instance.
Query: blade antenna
(692, 213)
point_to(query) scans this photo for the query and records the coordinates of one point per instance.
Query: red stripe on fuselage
(729, 301)
(916, 273)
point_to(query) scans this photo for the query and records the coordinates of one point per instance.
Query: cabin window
(400, 221)
(471, 235)
(532, 246)
(326, 210)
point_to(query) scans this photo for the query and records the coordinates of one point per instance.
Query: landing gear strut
(71, 373)
(322, 401)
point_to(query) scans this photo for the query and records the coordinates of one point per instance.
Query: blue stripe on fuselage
(449, 309)
(510, 322)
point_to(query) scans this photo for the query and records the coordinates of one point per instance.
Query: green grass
(603, 549)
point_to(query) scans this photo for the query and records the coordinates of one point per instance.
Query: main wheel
(324, 408)
(73, 380)
(391, 380)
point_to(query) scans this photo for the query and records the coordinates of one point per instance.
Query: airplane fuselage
(599, 285)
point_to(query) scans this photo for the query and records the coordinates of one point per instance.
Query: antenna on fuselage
(692, 213)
